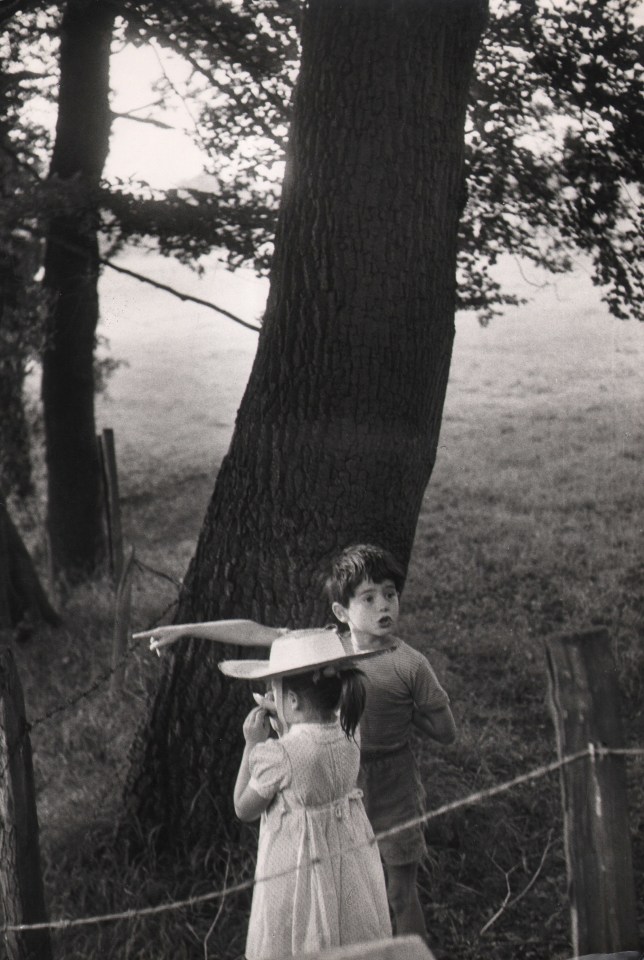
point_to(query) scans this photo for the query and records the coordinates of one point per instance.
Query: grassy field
(532, 525)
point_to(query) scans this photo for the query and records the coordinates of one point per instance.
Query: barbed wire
(96, 685)
(108, 673)
(593, 751)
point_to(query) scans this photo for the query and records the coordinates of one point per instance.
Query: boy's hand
(256, 726)
(160, 637)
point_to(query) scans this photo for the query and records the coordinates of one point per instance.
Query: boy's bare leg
(402, 894)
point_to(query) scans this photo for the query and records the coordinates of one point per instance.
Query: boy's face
(372, 611)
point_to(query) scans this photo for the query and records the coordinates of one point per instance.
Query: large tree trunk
(74, 516)
(336, 436)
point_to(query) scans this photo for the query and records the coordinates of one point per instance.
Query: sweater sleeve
(427, 692)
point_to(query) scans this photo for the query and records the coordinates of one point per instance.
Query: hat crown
(299, 651)
(302, 650)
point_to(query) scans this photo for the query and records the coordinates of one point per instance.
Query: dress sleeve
(427, 692)
(269, 768)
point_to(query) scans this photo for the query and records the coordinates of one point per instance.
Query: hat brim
(261, 670)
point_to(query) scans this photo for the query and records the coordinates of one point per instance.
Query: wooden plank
(622, 955)
(584, 699)
(410, 947)
(21, 887)
(113, 502)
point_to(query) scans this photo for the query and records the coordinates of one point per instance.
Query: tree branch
(507, 901)
(129, 116)
(178, 293)
(9, 8)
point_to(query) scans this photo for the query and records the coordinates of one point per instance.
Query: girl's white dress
(315, 836)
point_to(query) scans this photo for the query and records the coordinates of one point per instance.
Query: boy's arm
(240, 633)
(437, 724)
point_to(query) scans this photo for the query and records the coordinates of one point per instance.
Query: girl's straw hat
(298, 651)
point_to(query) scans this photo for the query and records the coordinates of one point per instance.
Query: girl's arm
(240, 633)
(249, 804)
(437, 724)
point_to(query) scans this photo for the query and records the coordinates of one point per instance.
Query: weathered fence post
(21, 887)
(107, 455)
(585, 706)
(122, 617)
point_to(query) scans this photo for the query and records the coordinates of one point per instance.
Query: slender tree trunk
(74, 516)
(336, 435)
(23, 601)
(15, 460)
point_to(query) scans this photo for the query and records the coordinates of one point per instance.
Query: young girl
(319, 881)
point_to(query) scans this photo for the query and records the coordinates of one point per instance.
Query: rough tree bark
(74, 516)
(336, 435)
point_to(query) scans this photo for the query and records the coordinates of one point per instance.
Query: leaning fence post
(21, 886)
(584, 699)
(107, 455)
(122, 617)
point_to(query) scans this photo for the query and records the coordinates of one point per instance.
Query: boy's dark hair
(362, 561)
(345, 690)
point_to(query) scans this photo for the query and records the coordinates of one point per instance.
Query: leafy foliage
(244, 61)
(554, 147)
(553, 137)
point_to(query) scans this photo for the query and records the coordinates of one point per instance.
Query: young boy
(402, 693)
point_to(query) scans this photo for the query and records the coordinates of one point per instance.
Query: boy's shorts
(393, 793)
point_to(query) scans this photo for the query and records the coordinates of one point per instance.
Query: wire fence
(108, 673)
(592, 752)
(101, 680)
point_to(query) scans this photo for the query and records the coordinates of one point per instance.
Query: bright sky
(163, 158)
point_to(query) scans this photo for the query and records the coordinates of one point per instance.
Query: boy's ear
(340, 612)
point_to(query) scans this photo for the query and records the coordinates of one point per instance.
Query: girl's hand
(160, 637)
(267, 702)
(256, 726)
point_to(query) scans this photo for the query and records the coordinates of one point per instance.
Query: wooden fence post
(107, 455)
(122, 617)
(584, 699)
(21, 887)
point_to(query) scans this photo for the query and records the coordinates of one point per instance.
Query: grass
(531, 526)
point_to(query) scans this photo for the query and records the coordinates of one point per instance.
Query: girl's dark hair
(363, 561)
(345, 689)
